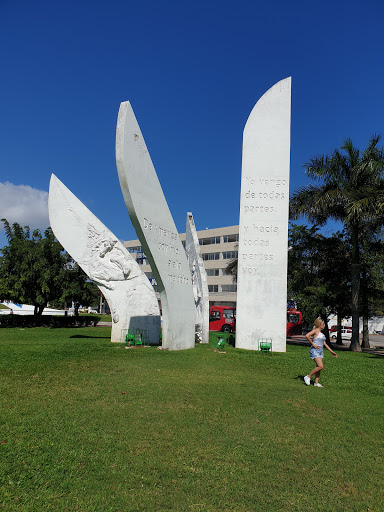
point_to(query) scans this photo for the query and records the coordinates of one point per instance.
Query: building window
(211, 256)
(209, 241)
(231, 238)
(228, 288)
(213, 287)
(135, 249)
(229, 255)
(213, 272)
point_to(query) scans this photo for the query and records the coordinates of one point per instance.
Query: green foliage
(345, 180)
(318, 272)
(231, 269)
(34, 269)
(90, 426)
(48, 321)
(31, 267)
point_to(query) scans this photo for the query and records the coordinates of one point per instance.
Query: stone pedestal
(263, 230)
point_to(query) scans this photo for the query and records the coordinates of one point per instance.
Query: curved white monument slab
(106, 261)
(156, 231)
(261, 311)
(199, 278)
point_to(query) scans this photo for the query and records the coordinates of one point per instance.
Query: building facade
(218, 247)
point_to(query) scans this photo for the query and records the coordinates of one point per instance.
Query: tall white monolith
(106, 261)
(199, 279)
(263, 230)
(156, 231)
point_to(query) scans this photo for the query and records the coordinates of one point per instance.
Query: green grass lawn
(89, 426)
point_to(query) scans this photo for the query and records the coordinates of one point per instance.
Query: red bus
(223, 318)
(294, 322)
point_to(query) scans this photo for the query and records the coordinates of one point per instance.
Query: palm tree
(345, 179)
(231, 269)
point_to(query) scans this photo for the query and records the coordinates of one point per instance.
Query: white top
(319, 340)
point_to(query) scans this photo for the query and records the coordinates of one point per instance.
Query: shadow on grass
(93, 337)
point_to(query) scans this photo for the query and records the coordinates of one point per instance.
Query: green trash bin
(265, 345)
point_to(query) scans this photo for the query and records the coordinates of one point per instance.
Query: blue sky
(193, 72)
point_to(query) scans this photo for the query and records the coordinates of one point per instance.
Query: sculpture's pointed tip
(125, 111)
(54, 181)
(125, 106)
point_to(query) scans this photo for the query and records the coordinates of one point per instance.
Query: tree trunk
(339, 340)
(355, 287)
(365, 343)
(326, 330)
(365, 308)
(39, 308)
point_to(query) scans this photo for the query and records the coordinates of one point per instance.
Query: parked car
(345, 333)
(334, 328)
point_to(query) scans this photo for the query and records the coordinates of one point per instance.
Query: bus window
(215, 315)
(228, 313)
(292, 318)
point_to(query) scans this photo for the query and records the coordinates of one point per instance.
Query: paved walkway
(376, 342)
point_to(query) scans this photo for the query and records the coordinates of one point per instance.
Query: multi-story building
(218, 247)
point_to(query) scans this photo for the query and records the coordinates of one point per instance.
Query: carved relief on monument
(105, 260)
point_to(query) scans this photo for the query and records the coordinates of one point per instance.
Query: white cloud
(23, 204)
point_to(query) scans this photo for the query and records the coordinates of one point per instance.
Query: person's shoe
(318, 385)
(307, 380)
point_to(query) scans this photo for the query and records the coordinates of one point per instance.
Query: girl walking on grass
(317, 339)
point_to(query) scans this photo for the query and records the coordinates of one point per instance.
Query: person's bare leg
(318, 367)
(317, 375)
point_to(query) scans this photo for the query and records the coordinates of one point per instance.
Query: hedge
(48, 321)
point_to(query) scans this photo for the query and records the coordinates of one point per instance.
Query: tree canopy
(345, 179)
(34, 269)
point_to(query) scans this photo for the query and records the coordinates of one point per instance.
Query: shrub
(48, 321)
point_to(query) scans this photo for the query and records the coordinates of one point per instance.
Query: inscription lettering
(265, 229)
(251, 271)
(178, 279)
(265, 195)
(261, 209)
(257, 241)
(168, 248)
(159, 230)
(174, 264)
(266, 182)
(258, 256)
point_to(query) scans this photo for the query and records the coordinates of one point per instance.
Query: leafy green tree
(35, 270)
(372, 277)
(318, 278)
(345, 178)
(231, 269)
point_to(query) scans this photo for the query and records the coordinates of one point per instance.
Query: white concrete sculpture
(199, 279)
(156, 231)
(263, 231)
(106, 261)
